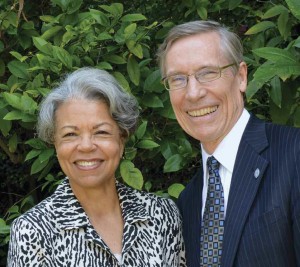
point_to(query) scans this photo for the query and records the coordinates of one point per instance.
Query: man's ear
(243, 76)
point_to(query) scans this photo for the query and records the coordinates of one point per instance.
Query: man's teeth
(86, 163)
(202, 112)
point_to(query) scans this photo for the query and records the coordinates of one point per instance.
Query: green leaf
(2, 67)
(140, 132)
(275, 91)
(104, 36)
(152, 101)
(13, 143)
(168, 148)
(286, 69)
(167, 111)
(260, 27)
(36, 143)
(202, 12)
(282, 25)
(275, 54)
(13, 100)
(174, 163)
(175, 189)
(133, 17)
(297, 42)
(19, 69)
(19, 115)
(147, 144)
(297, 118)
(130, 153)
(122, 80)
(4, 229)
(5, 125)
(28, 104)
(32, 154)
(63, 56)
(116, 9)
(51, 32)
(234, 3)
(37, 166)
(274, 11)
(129, 30)
(100, 17)
(133, 70)
(68, 6)
(42, 45)
(104, 66)
(153, 83)
(18, 56)
(135, 48)
(131, 175)
(48, 18)
(294, 6)
(115, 59)
(46, 154)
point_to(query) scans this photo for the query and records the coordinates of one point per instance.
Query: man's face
(206, 111)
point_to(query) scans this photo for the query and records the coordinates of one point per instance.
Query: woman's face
(88, 143)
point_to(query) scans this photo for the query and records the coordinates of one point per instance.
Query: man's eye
(177, 79)
(207, 73)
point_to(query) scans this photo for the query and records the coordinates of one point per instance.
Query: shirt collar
(226, 151)
(70, 214)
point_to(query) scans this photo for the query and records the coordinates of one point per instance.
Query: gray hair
(230, 42)
(90, 84)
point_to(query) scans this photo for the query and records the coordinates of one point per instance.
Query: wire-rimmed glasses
(204, 75)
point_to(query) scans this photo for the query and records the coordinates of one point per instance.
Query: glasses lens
(208, 74)
(176, 82)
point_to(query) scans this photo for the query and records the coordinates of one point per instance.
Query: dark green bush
(41, 41)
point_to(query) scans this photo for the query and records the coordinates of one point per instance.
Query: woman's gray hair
(90, 84)
(230, 43)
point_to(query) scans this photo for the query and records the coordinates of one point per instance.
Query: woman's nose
(86, 143)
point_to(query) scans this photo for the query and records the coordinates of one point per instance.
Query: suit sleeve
(296, 209)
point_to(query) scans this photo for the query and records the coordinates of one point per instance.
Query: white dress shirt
(225, 153)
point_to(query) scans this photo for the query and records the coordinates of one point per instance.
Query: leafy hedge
(41, 41)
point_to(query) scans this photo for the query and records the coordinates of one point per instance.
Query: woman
(92, 219)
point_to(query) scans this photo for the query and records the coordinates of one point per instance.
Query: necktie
(212, 226)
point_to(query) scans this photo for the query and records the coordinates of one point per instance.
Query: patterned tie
(212, 226)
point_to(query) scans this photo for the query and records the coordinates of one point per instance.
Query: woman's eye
(102, 132)
(69, 135)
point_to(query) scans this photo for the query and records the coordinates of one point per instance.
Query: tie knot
(212, 163)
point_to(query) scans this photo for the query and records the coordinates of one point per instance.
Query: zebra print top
(57, 232)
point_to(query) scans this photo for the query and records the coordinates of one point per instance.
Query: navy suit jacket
(262, 224)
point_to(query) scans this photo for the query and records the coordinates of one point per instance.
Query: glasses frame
(164, 79)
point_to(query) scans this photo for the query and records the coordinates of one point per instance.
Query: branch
(14, 158)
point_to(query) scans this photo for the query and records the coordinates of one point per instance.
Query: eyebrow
(173, 73)
(94, 127)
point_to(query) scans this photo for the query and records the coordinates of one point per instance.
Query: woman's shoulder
(152, 202)
(37, 215)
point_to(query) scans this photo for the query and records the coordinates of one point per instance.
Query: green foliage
(41, 41)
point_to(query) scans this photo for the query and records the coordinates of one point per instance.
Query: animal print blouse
(57, 232)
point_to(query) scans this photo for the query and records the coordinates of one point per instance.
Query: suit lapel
(248, 172)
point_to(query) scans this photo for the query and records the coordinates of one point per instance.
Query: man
(243, 207)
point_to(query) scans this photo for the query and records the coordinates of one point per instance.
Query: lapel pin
(256, 173)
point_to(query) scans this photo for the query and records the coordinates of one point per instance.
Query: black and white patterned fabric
(57, 232)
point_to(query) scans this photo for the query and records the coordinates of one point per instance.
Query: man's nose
(194, 89)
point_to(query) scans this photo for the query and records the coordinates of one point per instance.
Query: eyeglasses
(208, 74)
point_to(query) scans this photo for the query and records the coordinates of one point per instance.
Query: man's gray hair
(89, 84)
(230, 43)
